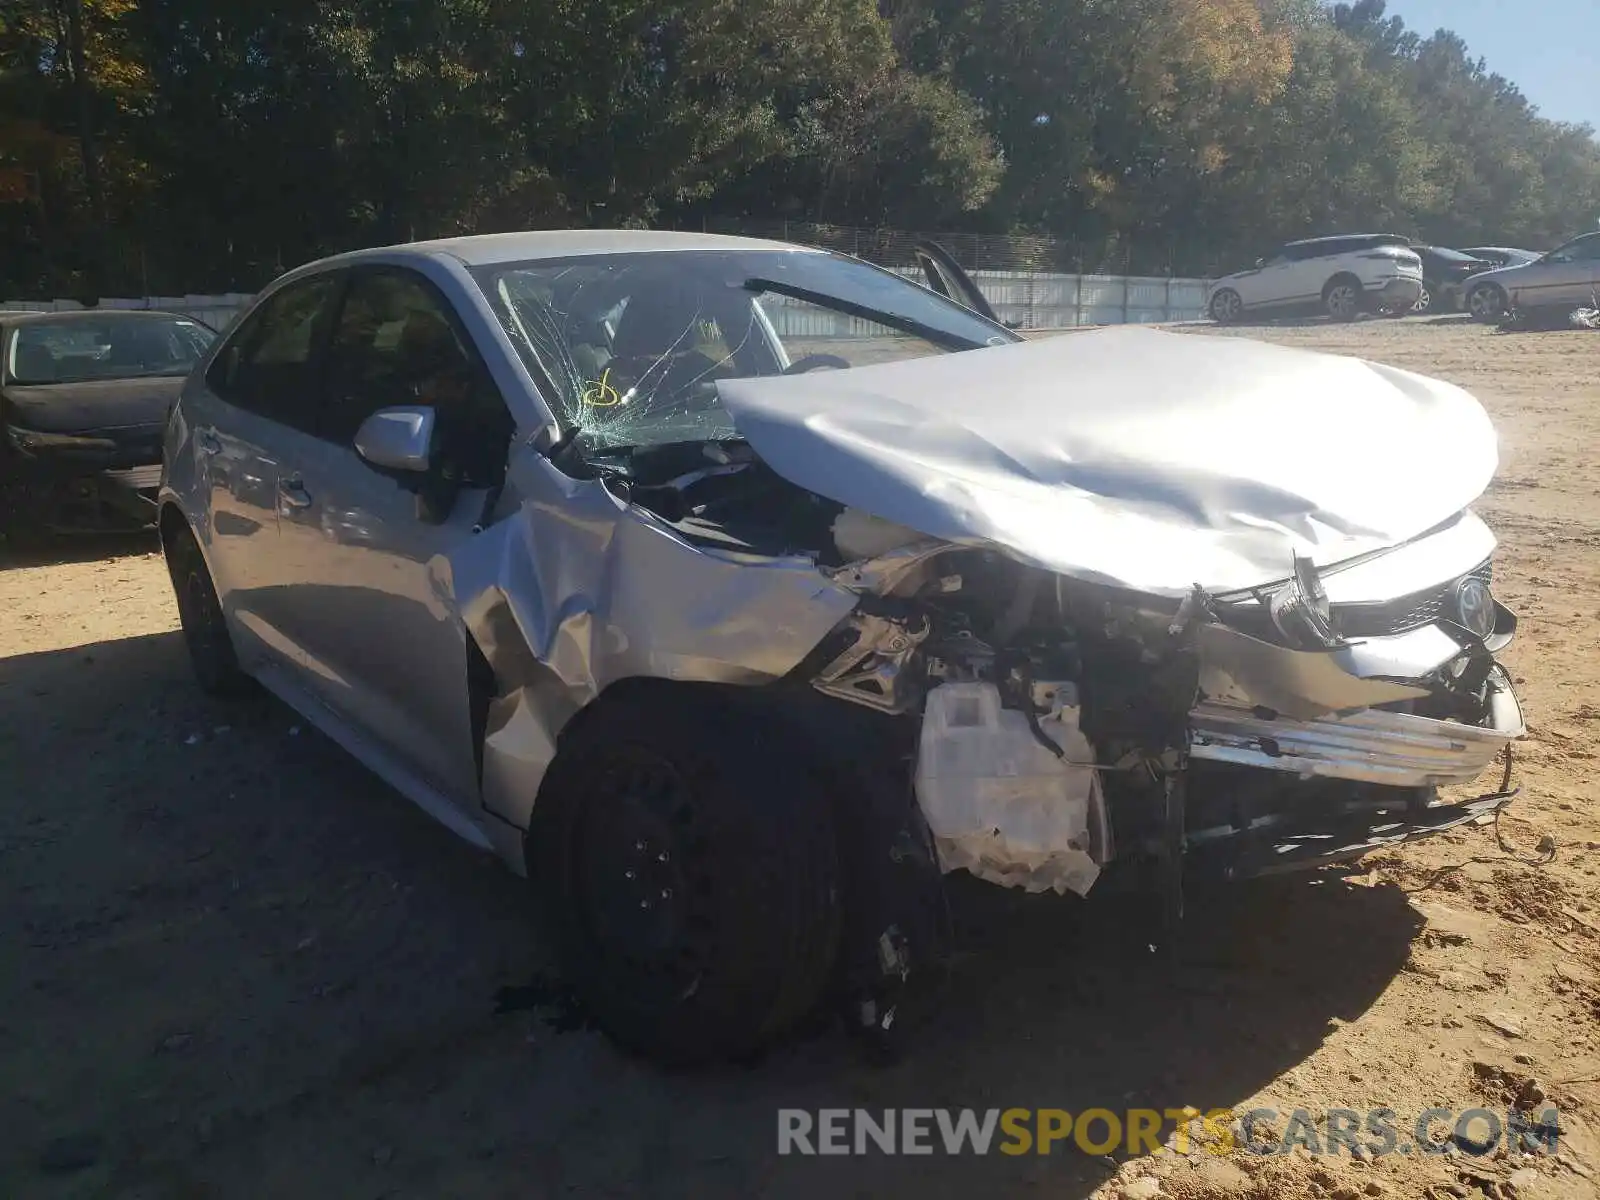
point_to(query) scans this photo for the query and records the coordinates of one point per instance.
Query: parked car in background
(1444, 273)
(735, 592)
(1566, 277)
(1343, 276)
(84, 397)
(1502, 256)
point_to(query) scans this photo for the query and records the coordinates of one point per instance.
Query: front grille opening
(1404, 614)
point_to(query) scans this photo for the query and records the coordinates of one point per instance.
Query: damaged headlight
(34, 440)
(1301, 611)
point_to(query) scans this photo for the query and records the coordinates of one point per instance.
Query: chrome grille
(1408, 612)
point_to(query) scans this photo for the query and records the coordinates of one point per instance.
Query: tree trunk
(88, 147)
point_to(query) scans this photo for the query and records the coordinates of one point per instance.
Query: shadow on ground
(238, 965)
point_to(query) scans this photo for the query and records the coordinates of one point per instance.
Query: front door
(384, 647)
(945, 276)
(1568, 276)
(1269, 285)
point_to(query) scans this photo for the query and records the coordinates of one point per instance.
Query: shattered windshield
(633, 345)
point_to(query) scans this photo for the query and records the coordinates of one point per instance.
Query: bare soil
(232, 963)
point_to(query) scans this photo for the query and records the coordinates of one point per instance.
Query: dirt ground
(232, 963)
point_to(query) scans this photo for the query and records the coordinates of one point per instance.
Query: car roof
(68, 316)
(489, 249)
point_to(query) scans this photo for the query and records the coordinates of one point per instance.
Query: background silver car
(1566, 277)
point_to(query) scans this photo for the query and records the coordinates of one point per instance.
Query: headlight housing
(1301, 611)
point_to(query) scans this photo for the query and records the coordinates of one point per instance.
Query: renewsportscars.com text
(1016, 1131)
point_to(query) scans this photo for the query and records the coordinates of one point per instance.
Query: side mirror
(397, 439)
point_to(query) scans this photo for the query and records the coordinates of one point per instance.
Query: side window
(397, 343)
(1585, 249)
(267, 365)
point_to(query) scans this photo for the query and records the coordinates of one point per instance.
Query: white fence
(1039, 301)
(1023, 299)
(216, 311)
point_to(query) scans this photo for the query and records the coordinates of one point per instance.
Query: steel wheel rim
(1342, 300)
(1225, 307)
(1484, 303)
(641, 874)
(1424, 302)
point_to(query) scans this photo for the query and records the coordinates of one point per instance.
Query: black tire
(1488, 302)
(1226, 307)
(205, 631)
(1425, 302)
(1343, 297)
(685, 856)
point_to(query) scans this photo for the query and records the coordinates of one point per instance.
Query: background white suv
(1342, 276)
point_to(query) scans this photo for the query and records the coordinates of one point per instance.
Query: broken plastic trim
(872, 671)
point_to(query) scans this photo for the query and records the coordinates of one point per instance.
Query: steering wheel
(812, 362)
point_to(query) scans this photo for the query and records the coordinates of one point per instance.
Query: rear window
(78, 351)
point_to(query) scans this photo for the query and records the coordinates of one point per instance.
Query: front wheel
(1487, 302)
(685, 856)
(1425, 300)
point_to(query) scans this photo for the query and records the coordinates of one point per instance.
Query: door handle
(207, 442)
(294, 494)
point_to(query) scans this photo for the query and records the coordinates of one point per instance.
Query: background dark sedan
(1503, 256)
(1443, 274)
(84, 397)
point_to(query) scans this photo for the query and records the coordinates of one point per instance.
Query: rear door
(384, 648)
(258, 391)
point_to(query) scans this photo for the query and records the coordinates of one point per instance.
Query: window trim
(354, 275)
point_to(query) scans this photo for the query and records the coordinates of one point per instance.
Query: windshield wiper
(930, 333)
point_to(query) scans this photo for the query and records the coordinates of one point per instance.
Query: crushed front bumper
(1370, 746)
(91, 502)
(1361, 782)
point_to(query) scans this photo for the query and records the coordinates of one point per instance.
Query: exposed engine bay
(1062, 720)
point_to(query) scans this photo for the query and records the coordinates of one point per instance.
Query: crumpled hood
(1136, 457)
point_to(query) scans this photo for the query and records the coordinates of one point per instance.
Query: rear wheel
(1226, 307)
(1425, 300)
(1342, 298)
(686, 859)
(1487, 302)
(205, 630)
